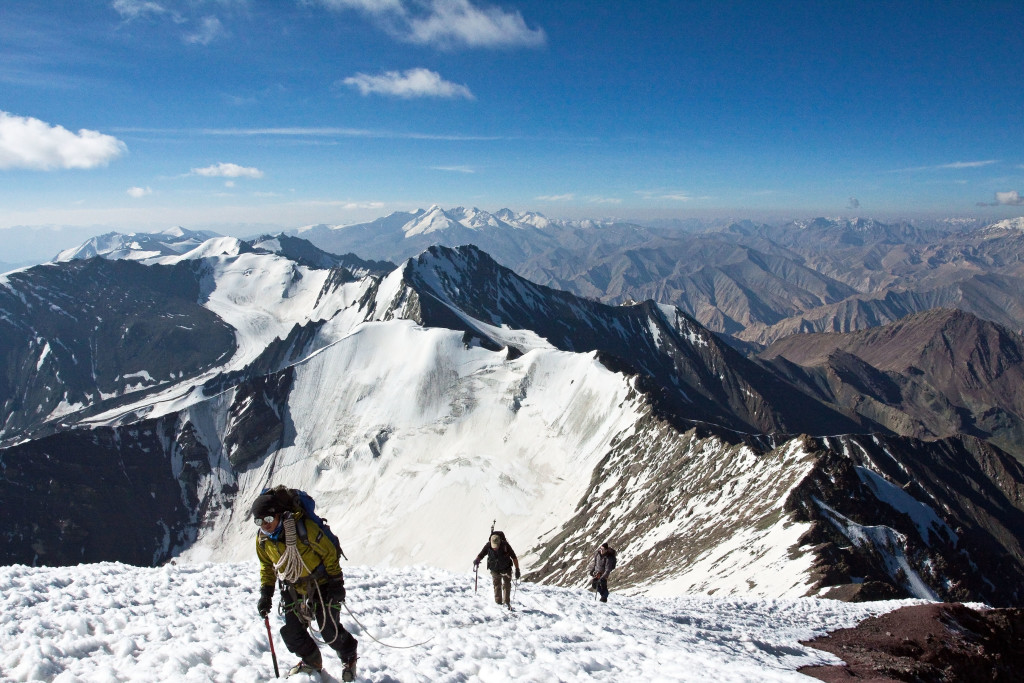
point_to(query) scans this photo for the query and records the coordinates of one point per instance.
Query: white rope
(290, 567)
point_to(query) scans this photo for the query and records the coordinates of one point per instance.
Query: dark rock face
(136, 493)
(950, 511)
(79, 333)
(304, 253)
(927, 644)
(92, 496)
(256, 418)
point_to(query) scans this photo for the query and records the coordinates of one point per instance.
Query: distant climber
(296, 551)
(601, 565)
(500, 561)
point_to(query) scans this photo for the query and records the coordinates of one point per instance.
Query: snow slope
(400, 431)
(112, 622)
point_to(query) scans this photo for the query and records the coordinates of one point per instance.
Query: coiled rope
(290, 567)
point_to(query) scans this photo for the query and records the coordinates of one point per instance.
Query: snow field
(112, 622)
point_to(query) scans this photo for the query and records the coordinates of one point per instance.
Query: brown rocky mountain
(930, 375)
(990, 296)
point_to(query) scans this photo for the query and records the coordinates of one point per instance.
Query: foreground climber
(294, 549)
(500, 560)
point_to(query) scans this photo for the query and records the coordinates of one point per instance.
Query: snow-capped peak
(141, 246)
(435, 219)
(432, 220)
(1015, 224)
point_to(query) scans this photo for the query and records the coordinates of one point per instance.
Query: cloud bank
(223, 170)
(408, 84)
(29, 143)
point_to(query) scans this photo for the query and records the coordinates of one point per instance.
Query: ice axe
(273, 655)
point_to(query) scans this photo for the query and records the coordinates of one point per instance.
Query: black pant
(602, 587)
(295, 633)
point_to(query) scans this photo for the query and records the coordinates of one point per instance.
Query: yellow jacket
(317, 549)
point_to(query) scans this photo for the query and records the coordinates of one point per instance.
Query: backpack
(298, 500)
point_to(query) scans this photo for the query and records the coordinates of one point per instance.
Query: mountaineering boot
(312, 664)
(349, 672)
(302, 668)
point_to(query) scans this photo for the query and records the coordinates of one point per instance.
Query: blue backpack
(298, 500)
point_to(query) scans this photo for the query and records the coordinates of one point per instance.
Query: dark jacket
(500, 559)
(602, 565)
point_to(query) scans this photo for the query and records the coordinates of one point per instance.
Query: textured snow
(198, 622)
(395, 424)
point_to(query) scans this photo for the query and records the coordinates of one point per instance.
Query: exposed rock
(931, 643)
(930, 375)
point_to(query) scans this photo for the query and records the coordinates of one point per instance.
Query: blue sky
(142, 114)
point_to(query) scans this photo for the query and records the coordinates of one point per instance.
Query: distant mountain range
(756, 282)
(147, 400)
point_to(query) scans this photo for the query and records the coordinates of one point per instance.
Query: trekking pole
(476, 576)
(273, 655)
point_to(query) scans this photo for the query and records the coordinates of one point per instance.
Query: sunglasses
(267, 519)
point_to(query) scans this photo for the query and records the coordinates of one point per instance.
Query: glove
(334, 589)
(266, 600)
(518, 574)
(476, 564)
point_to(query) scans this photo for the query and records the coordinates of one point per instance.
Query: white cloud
(209, 30)
(557, 197)
(223, 170)
(969, 164)
(446, 23)
(184, 16)
(672, 195)
(453, 169)
(459, 22)
(369, 6)
(1011, 198)
(408, 84)
(26, 142)
(139, 192)
(133, 9)
(955, 165)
